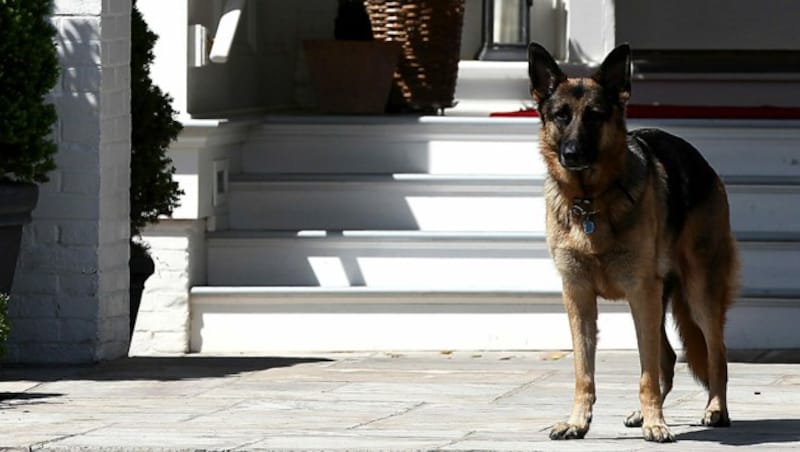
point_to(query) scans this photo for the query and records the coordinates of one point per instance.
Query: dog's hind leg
(707, 358)
(710, 268)
(668, 358)
(716, 412)
(707, 311)
(646, 308)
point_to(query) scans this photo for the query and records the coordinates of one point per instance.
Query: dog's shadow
(748, 433)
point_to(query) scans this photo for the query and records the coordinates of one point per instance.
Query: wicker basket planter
(430, 34)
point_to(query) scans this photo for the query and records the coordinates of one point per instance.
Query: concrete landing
(370, 401)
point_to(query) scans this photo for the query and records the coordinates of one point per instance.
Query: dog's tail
(722, 292)
(694, 343)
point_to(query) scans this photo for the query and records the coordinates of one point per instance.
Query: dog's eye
(563, 116)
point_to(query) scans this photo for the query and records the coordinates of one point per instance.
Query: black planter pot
(141, 267)
(17, 201)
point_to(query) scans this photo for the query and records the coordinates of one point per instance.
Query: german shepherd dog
(639, 216)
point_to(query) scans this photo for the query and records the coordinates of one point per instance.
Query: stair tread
(360, 291)
(789, 182)
(374, 177)
(283, 123)
(323, 294)
(791, 238)
(357, 235)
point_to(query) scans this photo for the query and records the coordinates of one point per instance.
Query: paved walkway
(403, 401)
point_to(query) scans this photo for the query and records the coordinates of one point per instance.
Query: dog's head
(582, 118)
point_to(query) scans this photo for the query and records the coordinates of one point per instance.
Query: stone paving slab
(375, 401)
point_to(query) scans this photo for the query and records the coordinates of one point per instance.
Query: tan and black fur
(637, 216)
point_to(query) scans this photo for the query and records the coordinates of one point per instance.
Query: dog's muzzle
(571, 157)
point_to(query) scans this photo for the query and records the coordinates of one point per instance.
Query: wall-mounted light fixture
(226, 30)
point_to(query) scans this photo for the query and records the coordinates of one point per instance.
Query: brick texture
(178, 248)
(70, 298)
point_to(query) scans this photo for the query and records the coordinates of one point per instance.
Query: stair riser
(504, 85)
(391, 327)
(399, 265)
(468, 265)
(351, 156)
(299, 327)
(387, 206)
(732, 148)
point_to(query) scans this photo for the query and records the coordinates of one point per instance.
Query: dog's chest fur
(627, 242)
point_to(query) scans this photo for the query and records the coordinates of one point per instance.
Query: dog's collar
(582, 208)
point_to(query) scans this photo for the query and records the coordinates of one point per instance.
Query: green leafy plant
(28, 70)
(153, 128)
(5, 329)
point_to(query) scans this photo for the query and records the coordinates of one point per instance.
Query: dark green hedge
(153, 190)
(28, 71)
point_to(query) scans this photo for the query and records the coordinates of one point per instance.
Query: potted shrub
(353, 73)
(153, 128)
(28, 71)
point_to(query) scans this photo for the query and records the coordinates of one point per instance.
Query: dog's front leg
(646, 308)
(581, 306)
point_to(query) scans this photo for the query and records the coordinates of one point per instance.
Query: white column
(70, 298)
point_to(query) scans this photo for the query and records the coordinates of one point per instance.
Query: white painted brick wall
(77, 7)
(178, 249)
(70, 296)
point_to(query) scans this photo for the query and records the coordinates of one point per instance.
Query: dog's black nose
(571, 156)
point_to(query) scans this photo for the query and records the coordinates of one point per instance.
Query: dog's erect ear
(544, 73)
(614, 74)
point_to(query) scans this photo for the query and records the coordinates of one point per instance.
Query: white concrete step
(437, 261)
(279, 319)
(381, 259)
(494, 86)
(399, 202)
(271, 319)
(489, 146)
(387, 145)
(455, 203)
(427, 233)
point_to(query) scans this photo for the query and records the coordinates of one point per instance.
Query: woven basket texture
(430, 34)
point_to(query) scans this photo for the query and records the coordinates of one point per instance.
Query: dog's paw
(716, 418)
(565, 430)
(658, 433)
(635, 419)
